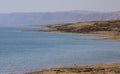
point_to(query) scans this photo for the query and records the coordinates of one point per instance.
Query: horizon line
(59, 11)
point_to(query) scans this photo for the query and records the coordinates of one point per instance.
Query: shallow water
(24, 51)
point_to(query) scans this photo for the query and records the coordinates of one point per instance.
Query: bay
(29, 51)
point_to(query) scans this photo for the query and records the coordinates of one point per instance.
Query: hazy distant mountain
(55, 17)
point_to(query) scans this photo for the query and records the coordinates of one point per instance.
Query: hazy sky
(8, 6)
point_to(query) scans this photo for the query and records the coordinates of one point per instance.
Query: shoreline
(113, 68)
(100, 36)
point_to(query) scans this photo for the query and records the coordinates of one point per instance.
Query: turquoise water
(24, 52)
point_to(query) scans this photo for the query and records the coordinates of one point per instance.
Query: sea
(22, 52)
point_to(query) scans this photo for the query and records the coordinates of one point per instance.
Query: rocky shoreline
(88, 69)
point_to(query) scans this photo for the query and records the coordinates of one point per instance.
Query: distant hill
(43, 18)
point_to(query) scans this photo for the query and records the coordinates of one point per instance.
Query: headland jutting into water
(110, 30)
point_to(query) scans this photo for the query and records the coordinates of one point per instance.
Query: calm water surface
(23, 52)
